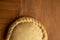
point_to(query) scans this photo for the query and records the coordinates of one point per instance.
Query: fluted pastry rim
(23, 20)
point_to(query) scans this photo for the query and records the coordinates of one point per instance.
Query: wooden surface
(47, 11)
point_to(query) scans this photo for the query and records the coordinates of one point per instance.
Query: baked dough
(26, 29)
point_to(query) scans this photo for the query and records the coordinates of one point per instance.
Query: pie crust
(27, 20)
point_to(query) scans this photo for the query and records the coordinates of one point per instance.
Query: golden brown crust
(23, 20)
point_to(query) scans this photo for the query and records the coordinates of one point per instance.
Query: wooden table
(46, 11)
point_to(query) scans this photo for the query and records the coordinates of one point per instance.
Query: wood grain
(46, 11)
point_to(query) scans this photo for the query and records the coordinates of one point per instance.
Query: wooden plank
(2, 29)
(8, 14)
(46, 11)
(8, 6)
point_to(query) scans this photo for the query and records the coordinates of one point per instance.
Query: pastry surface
(26, 29)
